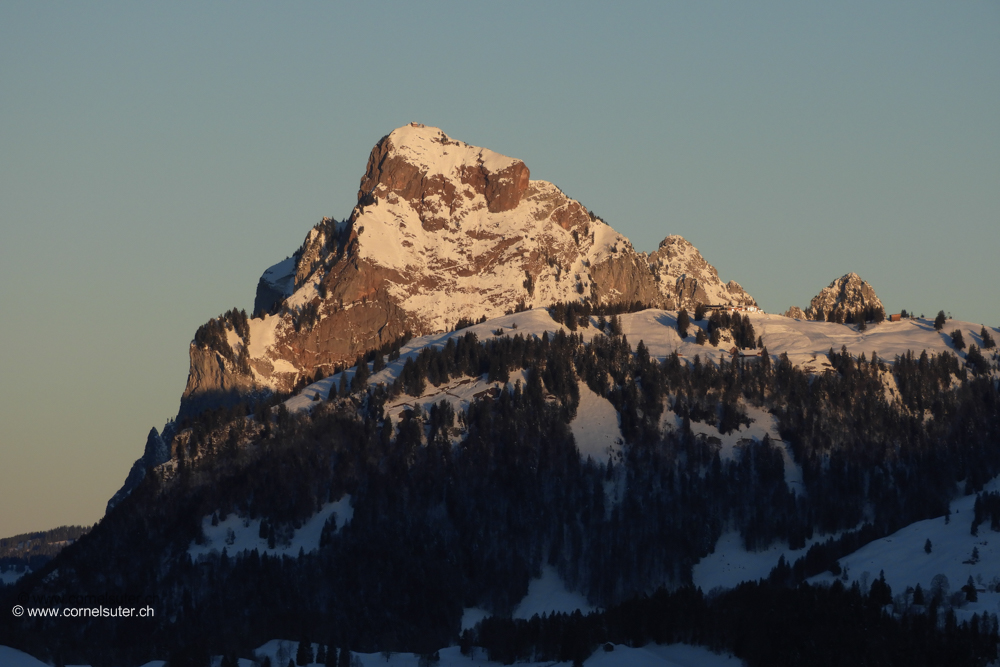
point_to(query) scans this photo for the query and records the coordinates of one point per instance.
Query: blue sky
(155, 158)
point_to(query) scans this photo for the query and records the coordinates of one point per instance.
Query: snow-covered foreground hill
(280, 651)
(905, 561)
(902, 557)
(652, 655)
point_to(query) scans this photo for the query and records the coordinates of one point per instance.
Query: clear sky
(155, 158)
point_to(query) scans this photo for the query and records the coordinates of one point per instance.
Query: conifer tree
(970, 590)
(304, 654)
(714, 337)
(360, 379)
(939, 321)
(683, 322)
(988, 341)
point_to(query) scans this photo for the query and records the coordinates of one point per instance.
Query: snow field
(730, 564)
(764, 423)
(8, 577)
(902, 558)
(236, 535)
(802, 339)
(596, 427)
(548, 594)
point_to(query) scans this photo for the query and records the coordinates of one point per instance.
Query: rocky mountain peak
(442, 231)
(842, 299)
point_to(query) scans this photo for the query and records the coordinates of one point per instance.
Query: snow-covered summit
(421, 146)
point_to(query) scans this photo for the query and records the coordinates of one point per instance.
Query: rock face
(442, 231)
(844, 297)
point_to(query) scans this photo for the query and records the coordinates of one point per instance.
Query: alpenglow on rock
(844, 297)
(442, 231)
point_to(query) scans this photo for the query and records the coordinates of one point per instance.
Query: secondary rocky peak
(845, 299)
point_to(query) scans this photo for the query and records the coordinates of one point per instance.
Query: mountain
(386, 471)
(847, 299)
(443, 232)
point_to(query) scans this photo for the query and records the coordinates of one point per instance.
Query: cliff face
(442, 231)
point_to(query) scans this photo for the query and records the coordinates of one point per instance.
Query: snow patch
(730, 564)
(8, 577)
(262, 335)
(596, 427)
(284, 366)
(548, 594)
(236, 534)
(763, 423)
(11, 657)
(806, 342)
(473, 615)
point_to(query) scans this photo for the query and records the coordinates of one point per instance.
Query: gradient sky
(155, 158)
